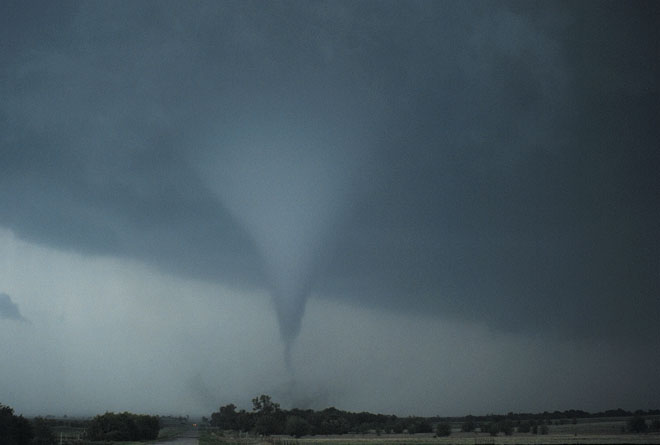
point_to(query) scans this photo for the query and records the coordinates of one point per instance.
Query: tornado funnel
(288, 176)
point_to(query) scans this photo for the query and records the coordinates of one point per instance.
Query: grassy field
(550, 439)
(598, 434)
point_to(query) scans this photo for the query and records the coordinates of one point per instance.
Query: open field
(457, 439)
(595, 432)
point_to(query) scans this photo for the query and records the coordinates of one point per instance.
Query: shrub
(14, 429)
(296, 426)
(505, 427)
(423, 426)
(43, 435)
(123, 427)
(443, 429)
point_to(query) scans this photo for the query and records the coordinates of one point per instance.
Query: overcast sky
(402, 207)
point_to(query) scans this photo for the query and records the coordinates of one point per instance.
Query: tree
(269, 419)
(443, 429)
(244, 420)
(22, 430)
(398, 427)
(147, 427)
(524, 427)
(493, 429)
(331, 423)
(296, 426)
(43, 434)
(225, 418)
(506, 427)
(264, 405)
(14, 430)
(123, 427)
(269, 424)
(468, 426)
(423, 426)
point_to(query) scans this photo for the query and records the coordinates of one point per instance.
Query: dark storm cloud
(512, 174)
(9, 309)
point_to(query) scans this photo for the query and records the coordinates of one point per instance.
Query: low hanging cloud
(488, 167)
(9, 310)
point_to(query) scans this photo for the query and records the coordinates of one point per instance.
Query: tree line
(123, 427)
(110, 427)
(268, 418)
(546, 416)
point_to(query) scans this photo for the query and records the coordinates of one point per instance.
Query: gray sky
(411, 208)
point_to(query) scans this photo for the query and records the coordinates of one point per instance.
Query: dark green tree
(264, 405)
(226, 418)
(524, 427)
(269, 418)
(506, 427)
(147, 427)
(14, 430)
(398, 427)
(269, 424)
(424, 426)
(244, 421)
(443, 429)
(23, 431)
(123, 427)
(43, 434)
(296, 426)
(7, 423)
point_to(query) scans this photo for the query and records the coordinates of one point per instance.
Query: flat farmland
(585, 431)
(456, 439)
(461, 439)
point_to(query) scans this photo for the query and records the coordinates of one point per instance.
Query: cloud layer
(485, 164)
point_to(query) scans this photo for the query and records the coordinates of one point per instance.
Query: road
(187, 438)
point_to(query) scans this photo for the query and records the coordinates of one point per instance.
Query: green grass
(209, 438)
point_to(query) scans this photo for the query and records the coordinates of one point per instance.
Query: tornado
(289, 179)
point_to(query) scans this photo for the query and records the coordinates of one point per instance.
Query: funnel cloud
(290, 178)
